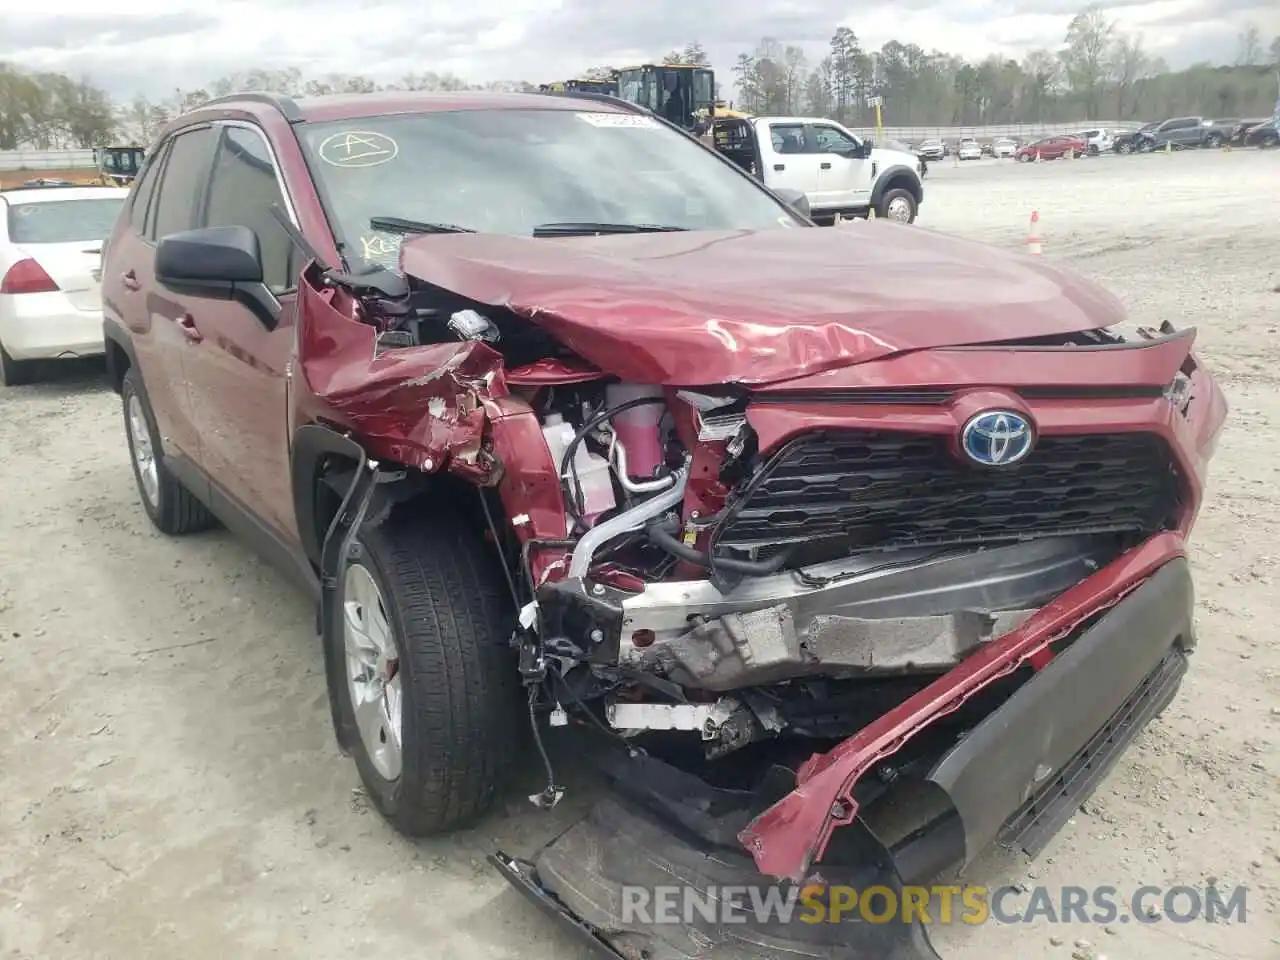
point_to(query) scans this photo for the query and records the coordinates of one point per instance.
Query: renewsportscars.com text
(937, 904)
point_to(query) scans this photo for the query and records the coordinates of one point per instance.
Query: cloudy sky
(153, 46)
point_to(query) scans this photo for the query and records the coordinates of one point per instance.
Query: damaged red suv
(561, 416)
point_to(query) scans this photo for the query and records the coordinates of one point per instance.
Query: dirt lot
(14, 178)
(169, 782)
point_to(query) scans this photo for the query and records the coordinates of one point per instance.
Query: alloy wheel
(373, 671)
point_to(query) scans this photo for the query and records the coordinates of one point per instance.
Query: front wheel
(1213, 141)
(897, 205)
(1122, 148)
(422, 672)
(1093, 150)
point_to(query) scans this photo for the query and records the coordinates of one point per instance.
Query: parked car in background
(931, 149)
(1097, 141)
(1051, 148)
(1128, 142)
(1240, 131)
(1004, 147)
(1265, 135)
(1182, 133)
(968, 149)
(837, 171)
(50, 257)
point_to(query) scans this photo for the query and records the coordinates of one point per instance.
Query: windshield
(703, 94)
(63, 221)
(639, 86)
(509, 171)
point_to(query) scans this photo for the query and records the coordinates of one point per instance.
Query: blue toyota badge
(997, 438)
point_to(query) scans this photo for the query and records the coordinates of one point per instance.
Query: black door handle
(779, 166)
(825, 166)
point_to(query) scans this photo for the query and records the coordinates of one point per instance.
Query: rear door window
(185, 176)
(140, 202)
(787, 137)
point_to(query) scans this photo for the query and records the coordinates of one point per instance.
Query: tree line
(1098, 73)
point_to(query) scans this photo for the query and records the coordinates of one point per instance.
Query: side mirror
(220, 263)
(210, 261)
(797, 200)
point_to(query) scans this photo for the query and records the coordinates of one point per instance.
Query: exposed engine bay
(890, 519)
(734, 594)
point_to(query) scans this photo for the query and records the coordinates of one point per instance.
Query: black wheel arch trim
(115, 335)
(892, 175)
(312, 443)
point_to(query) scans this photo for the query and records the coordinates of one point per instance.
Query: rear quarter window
(63, 221)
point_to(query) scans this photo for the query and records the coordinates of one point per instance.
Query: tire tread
(454, 617)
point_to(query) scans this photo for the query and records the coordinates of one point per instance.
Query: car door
(163, 202)
(1190, 132)
(238, 366)
(786, 164)
(844, 178)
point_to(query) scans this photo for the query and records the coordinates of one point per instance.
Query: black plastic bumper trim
(1056, 715)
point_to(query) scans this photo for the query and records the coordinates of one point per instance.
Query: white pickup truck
(836, 170)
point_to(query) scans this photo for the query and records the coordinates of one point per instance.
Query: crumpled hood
(754, 307)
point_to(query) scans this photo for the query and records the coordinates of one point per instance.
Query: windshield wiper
(587, 228)
(401, 225)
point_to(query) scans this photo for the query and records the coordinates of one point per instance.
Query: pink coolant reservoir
(637, 428)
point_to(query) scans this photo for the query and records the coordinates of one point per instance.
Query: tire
(1144, 147)
(901, 202)
(1123, 148)
(1025, 158)
(1093, 150)
(14, 373)
(1213, 141)
(171, 507)
(450, 615)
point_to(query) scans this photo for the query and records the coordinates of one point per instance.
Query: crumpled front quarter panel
(419, 406)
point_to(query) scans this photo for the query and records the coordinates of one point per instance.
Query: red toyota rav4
(560, 415)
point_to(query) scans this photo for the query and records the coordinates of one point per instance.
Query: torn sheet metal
(685, 308)
(788, 838)
(423, 406)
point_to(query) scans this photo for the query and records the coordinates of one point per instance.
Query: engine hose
(660, 535)
(573, 503)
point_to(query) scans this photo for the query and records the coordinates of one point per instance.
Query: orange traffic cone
(1033, 235)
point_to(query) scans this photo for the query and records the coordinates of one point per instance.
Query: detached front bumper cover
(1021, 771)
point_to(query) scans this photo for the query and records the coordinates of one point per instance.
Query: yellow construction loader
(118, 166)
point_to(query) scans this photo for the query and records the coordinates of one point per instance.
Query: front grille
(867, 489)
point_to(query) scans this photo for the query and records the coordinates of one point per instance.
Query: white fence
(46, 159)
(1018, 131)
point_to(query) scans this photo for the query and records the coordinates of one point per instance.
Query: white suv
(1099, 141)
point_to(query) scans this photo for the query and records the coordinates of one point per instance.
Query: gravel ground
(170, 785)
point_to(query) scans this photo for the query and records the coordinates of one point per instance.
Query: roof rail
(285, 105)
(598, 98)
